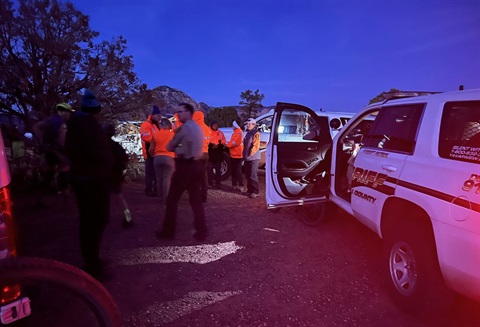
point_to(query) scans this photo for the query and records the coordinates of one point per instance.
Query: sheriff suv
(408, 168)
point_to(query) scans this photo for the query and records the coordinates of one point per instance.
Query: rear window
(460, 131)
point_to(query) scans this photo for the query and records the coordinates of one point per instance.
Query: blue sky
(333, 54)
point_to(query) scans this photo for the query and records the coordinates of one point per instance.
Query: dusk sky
(334, 55)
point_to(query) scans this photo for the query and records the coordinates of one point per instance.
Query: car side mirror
(335, 123)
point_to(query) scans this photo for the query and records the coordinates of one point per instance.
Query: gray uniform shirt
(187, 142)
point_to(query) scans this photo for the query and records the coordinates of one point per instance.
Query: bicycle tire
(25, 269)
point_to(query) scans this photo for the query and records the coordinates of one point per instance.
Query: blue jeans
(164, 167)
(251, 174)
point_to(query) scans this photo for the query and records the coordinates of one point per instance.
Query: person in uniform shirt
(187, 145)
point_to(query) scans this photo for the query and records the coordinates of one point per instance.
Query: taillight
(8, 246)
(7, 229)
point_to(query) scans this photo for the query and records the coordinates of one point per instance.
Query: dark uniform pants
(203, 183)
(187, 176)
(93, 200)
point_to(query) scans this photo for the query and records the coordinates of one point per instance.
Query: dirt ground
(258, 267)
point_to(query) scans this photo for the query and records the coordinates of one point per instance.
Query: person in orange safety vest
(147, 131)
(199, 118)
(215, 155)
(163, 161)
(235, 145)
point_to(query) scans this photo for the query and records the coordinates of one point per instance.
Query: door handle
(389, 168)
(312, 148)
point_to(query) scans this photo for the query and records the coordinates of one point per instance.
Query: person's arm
(255, 143)
(223, 138)
(146, 132)
(234, 140)
(176, 140)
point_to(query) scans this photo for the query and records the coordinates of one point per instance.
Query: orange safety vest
(147, 131)
(236, 144)
(199, 118)
(162, 138)
(217, 136)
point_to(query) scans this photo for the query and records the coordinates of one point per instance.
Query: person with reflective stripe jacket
(147, 131)
(235, 145)
(199, 118)
(216, 148)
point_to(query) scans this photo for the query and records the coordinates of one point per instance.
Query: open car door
(298, 157)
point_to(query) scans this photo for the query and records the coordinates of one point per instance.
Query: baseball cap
(65, 107)
(250, 121)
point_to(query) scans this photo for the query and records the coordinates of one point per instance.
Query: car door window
(297, 126)
(396, 128)
(460, 131)
(265, 124)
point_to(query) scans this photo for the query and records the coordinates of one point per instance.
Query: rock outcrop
(167, 98)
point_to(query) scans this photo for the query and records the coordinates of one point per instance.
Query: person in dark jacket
(51, 133)
(91, 162)
(251, 155)
(120, 163)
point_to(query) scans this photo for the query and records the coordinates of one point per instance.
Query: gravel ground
(258, 267)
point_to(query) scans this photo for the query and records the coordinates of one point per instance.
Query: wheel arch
(398, 211)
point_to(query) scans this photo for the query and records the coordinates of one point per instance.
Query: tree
(223, 115)
(381, 96)
(251, 101)
(48, 55)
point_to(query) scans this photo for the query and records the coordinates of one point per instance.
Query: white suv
(408, 169)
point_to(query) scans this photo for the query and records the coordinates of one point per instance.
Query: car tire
(412, 274)
(226, 167)
(39, 273)
(313, 214)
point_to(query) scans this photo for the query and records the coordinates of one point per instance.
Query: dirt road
(258, 268)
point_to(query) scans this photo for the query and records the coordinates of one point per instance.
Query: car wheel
(225, 168)
(413, 277)
(313, 214)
